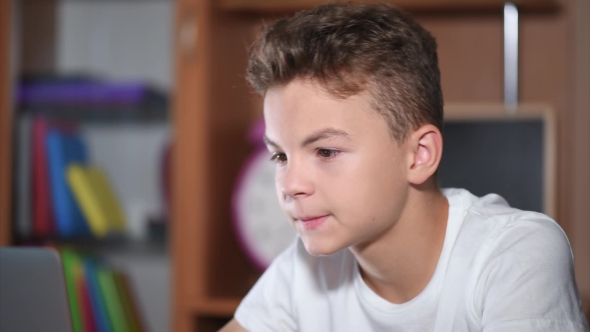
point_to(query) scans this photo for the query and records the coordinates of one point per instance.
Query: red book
(43, 223)
(88, 319)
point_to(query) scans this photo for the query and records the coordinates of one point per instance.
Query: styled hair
(355, 48)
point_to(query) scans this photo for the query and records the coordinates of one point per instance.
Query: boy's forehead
(310, 94)
(300, 109)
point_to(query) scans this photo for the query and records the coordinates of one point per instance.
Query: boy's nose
(294, 182)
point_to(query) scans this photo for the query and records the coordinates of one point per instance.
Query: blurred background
(126, 135)
(91, 86)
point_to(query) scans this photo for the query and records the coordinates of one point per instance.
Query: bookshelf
(213, 109)
(40, 43)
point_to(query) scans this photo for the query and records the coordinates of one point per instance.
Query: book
(98, 305)
(129, 303)
(76, 93)
(64, 148)
(71, 265)
(110, 296)
(43, 222)
(100, 297)
(166, 179)
(23, 176)
(97, 199)
(88, 319)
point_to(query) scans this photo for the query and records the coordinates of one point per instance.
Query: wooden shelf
(285, 6)
(498, 111)
(224, 307)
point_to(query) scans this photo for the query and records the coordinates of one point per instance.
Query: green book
(72, 265)
(128, 300)
(115, 309)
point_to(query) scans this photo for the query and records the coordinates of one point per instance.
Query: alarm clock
(262, 228)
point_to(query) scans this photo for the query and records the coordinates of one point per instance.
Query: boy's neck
(400, 263)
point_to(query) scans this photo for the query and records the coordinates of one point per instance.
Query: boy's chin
(321, 249)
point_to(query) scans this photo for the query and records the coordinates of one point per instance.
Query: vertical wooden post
(190, 192)
(5, 122)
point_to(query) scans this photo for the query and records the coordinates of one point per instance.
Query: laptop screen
(33, 293)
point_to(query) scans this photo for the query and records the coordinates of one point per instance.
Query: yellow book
(96, 198)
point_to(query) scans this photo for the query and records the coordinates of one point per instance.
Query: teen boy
(354, 111)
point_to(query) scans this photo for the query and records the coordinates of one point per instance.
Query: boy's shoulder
(513, 266)
(503, 230)
(493, 215)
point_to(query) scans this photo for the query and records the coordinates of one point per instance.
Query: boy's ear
(425, 150)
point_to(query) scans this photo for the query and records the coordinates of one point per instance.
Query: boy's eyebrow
(267, 141)
(323, 134)
(319, 135)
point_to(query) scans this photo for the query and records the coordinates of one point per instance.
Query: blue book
(62, 150)
(98, 305)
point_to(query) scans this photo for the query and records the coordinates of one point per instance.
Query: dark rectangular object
(507, 150)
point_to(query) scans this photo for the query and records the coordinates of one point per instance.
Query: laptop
(33, 294)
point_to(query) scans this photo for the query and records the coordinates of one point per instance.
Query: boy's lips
(310, 218)
(311, 222)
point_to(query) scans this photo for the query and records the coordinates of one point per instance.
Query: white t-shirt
(500, 269)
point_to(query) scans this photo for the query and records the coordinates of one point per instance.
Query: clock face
(262, 227)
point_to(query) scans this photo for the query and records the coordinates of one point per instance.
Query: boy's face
(340, 176)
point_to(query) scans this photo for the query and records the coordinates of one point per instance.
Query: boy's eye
(327, 153)
(278, 158)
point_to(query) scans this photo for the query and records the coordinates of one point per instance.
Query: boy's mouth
(312, 222)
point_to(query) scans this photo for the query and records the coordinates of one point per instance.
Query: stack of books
(60, 192)
(101, 299)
